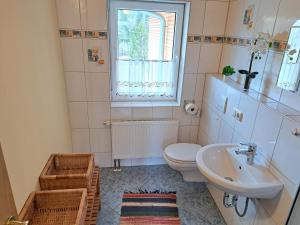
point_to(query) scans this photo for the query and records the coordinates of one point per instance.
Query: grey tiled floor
(195, 204)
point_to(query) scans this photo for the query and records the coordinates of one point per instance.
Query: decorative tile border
(83, 34)
(205, 38)
(237, 41)
(221, 39)
(277, 46)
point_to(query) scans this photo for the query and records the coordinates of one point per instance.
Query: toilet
(182, 157)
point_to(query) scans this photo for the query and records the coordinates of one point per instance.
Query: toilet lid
(182, 152)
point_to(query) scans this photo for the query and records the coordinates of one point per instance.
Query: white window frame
(182, 9)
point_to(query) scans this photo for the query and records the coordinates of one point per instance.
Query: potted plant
(228, 71)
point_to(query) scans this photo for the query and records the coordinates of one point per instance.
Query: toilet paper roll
(191, 108)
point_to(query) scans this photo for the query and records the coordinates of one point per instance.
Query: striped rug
(149, 208)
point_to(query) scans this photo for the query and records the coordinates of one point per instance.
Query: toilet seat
(182, 158)
(182, 153)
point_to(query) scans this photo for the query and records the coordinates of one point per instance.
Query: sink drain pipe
(230, 200)
(245, 209)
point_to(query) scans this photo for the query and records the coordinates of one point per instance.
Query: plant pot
(249, 77)
(225, 77)
(247, 83)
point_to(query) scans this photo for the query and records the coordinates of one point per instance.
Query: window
(147, 45)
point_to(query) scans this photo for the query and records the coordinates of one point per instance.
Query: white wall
(88, 86)
(88, 83)
(265, 125)
(274, 17)
(265, 122)
(34, 119)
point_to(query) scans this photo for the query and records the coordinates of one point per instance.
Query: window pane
(147, 46)
(145, 35)
(146, 79)
(144, 64)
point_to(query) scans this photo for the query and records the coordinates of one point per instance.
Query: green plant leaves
(228, 71)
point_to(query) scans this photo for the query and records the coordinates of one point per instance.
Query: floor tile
(195, 204)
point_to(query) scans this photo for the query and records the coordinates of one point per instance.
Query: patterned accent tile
(220, 39)
(197, 38)
(237, 41)
(208, 38)
(96, 34)
(234, 41)
(83, 34)
(190, 38)
(227, 40)
(66, 33)
(277, 46)
(241, 41)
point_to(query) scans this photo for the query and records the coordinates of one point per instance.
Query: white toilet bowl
(182, 157)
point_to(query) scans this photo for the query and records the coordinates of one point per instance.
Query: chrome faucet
(249, 150)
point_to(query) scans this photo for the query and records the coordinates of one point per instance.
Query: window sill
(144, 104)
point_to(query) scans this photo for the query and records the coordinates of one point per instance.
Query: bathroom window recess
(147, 44)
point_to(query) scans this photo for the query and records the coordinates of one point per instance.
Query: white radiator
(142, 139)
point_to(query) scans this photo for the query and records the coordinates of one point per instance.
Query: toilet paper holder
(190, 107)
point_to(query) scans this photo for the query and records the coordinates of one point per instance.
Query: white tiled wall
(102, 46)
(197, 14)
(210, 55)
(76, 86)
(72, 51)
(94, 14)
(79, 114)
(88, 83)
(89, 102)
(267, 123)
(269, 128)
(68, 13)
(274, 17)
(249, 108)
(266, 136)
(215, 17)
(97, 87)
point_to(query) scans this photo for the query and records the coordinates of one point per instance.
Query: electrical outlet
(238, 115)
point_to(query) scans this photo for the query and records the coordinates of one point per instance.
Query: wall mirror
(289, 76)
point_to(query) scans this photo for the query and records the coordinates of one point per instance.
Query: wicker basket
(93, 198)
(67, 171)
(60, 207)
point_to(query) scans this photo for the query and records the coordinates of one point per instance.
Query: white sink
(218, 161)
